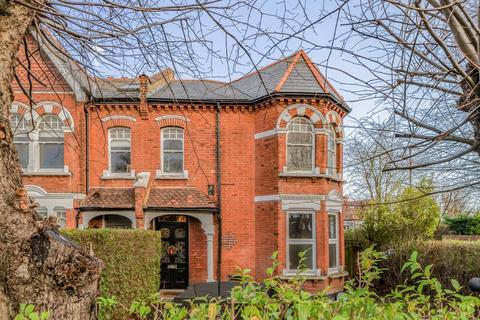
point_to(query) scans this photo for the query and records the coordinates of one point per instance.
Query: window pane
(299, 158)
(120, 162)
(332, 226)
(173, 145)
(123, 144)
(173, 162)
(332, 255)
(294, 259)
(51, 155)
(300, 226)
(299, 137)
(51, 122)
(22, 149)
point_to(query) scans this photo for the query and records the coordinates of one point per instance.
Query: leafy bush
(277, 299)
(274, 298)
(464, 224)
(131, 262)
(411, 215)
(450, 259)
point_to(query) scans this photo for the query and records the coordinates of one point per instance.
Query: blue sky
(316, 24)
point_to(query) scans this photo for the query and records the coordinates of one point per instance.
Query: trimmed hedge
(131, 261)
(451, 259)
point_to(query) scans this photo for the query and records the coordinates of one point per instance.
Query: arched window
(119, 150)
(300, 145)
(332, 152)
(51, 142)
(172, 150)
(20, 128)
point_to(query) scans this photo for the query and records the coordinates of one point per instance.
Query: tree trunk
(37, 264)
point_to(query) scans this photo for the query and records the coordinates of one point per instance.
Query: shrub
(464, 224)
(278, 299)
(131, 261)
(450, 259)
(275, 298)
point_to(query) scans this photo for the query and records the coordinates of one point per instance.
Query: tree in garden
(421, 60)
(368, 153)
(413, 214)
(92, 38)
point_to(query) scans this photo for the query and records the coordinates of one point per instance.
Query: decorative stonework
(119, 121)
(172, 121)
(304, 110)
(42, 108)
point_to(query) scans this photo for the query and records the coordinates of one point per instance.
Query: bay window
(300, 145)
(300, 238)
(332, 153)
(333, 242)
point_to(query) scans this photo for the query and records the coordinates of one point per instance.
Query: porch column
(209, 256)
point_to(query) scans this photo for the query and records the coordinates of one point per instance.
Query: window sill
(107, 175)
(47, 173)
(309, 275)
(309, 175)
(337, 274)
(159, 175)
(305, 276)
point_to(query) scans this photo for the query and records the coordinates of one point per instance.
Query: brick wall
(250, 167)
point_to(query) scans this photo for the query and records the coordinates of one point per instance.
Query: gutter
(219, 197)
(87, 159)
(252, 102)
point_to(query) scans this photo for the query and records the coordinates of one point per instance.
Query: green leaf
(455, 285)
(29, 309)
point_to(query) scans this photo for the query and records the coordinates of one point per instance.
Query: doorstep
(169, 294)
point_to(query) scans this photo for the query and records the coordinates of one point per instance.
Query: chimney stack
(143, 96)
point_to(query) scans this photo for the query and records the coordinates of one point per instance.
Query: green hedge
(131, 261)
(465, 225)
(451, 259)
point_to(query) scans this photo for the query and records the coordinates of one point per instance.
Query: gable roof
(295, 74)
(292, 75)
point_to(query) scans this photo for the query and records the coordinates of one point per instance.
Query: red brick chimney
(143, 96)
(142, 188)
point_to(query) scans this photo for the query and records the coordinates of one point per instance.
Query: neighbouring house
(352, 213)
(240, 169)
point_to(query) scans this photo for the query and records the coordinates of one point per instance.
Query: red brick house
(257, 161)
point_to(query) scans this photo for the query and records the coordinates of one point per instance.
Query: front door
(174, 258)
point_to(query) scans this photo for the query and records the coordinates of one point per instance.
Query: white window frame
(33, 137)
(23, 130)
(63, 215)
(49, 128)
(108, 173)
(161, 173)
(312, 132)
(43, 210)
(331, 153)
(335, 241)
(311, 270)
